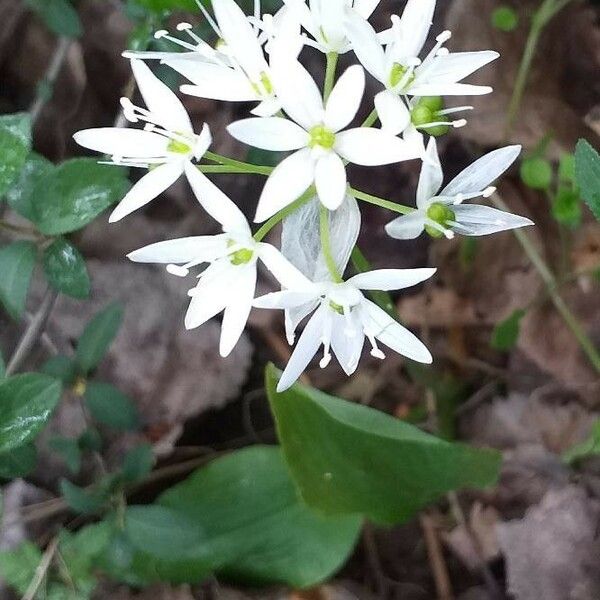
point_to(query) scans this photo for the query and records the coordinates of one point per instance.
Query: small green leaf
(61, 367)
(587, 175)
(566, 207)
(26, 404)
(83, 501)
(19, 462)
(75, 193)
(65, 269)
(17, 261)
(506, 334)
(138, 463)
(588, 448)
(18, 124)
(59, 16)
(97, 337)
(110, 407)
(536, 173)
(91, 440)
(69, 451)
(241, 517)
(505, 18)
(17, 567)
(13, 154)
(20, 195)
(350, 459)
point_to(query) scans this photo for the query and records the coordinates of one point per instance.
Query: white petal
(391, 279)
(347, 341)
(307, 347)
(476, 220)
(366, 45)
(394, 335)
(270, 133)
(267, 108)
(284, 300)
(297, 91)
(295, 316)
(123, 142)
(330, 180)
(203, 142)
(407, 227)
(216, 203)
(432, 176)
(217, 82)
(238, 309)
(240, 37)
(365, 8)
(454, 67)
(414, 28)
(393, 113)
(484, 171)
(211, 294)
(370, 147)
(151, 185)
(345, 98)
(206, 248)
(284, 271)
(164, 105)
(290, 179)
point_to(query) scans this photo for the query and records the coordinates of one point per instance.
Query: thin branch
(42, 569)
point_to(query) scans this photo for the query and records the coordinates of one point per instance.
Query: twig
(50, 77)
(381, 585)
(33, 332)
(42, 569)
(436, 559)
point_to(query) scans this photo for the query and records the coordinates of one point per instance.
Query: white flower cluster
(256, 60)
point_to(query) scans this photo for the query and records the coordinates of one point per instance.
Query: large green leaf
(17, 261)
(587, 175)
(97, 337)
(18, 462)
(26, 404)
(65, 269)
(20, 196)
(348, 458)
(58, 15)
(75, 193)
(13, 154)
(241, 517)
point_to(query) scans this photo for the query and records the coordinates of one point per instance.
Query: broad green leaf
(65, 269)
(97, 337)
(81, 551)
(75, 193)
(61, 367)
(17, 567)
(26, 404)
(588, 448)
(506, 334)
(13, 154)
(17, 261)
(69, 451)
(20, 195)
(59, 16)
(84, 502)
(350, 459)
(109, 406)
(241, 517)
(587, 175)
(19, 462)
(138, 463)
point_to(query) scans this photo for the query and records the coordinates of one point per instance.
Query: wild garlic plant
(258, 59)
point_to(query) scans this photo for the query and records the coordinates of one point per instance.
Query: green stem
(552, 287)
(370, 120)
(282, 214)
(542, 16)
(332, 61)
(240, 166)
(326, 246)
(246, 170)
(387, 204)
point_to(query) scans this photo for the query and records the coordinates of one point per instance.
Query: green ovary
(322, 137)
(427, 111)
(337, 307)
(397, 75)
(241, 257)
(178, 147)
(440, 214)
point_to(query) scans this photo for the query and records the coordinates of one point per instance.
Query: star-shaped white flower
(324, 20)
(228, 284)
(344, 317)
(316, 133)
(165, 146)
(399, 68)
(236, 70)
(442, 213)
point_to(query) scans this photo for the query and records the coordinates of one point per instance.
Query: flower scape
(258, 60)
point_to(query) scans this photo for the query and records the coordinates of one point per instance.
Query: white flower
(316, 133)
(344, 317)
(236, 70)
(228, 284)
(442, 213)
(165, 146)
(324, 20)
(399, 68)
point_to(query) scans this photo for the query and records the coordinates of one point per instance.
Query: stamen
(210, 20)
(375, 350)
(450, 111)
(164, 34)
